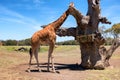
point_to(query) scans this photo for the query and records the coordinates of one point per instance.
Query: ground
(13, 65)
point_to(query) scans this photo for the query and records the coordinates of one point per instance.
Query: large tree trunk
(88, 36)
(90, 55)
(90, 50)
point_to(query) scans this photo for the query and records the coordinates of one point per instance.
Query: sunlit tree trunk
(88, 36)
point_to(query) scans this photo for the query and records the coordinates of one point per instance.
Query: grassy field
(13, 65)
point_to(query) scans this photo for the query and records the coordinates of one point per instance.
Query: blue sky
(19, 19)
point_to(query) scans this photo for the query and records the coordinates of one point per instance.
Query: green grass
(66, 48)
(42, 48)
(12, 48)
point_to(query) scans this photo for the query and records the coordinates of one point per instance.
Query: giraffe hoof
(28, 70)
(53, 71)
(39, 70)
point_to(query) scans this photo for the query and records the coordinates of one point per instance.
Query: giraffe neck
(60, 20)
(77, 15)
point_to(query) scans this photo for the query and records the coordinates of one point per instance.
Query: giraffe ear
(71, 4)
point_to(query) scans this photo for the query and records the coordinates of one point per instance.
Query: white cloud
(12, 20)
(7, 12)
(7, 15)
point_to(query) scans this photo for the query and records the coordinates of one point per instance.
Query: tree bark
(87, 34)
(90, 55)
(107, 54)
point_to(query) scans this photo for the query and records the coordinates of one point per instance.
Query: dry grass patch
(13, 65)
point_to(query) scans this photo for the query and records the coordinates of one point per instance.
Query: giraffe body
(46, 36)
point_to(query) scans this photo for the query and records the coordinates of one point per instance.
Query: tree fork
(88, 36)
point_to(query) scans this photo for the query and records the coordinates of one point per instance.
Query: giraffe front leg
(51, 47)
(31, 55)
(52, 61)
(48, 63)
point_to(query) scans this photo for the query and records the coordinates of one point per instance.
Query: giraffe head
(71, 4)
(71, 8)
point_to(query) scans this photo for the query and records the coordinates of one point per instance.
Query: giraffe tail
(30, 51)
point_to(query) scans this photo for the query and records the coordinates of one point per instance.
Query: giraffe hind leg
(36, 57)
(31, 55)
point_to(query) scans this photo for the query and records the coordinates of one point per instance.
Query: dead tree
(107, 54)
(66, 31)
(88, 35)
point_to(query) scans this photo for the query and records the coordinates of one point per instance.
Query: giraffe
(46, 36)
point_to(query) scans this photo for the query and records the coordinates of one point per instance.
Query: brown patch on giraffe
(47, 36)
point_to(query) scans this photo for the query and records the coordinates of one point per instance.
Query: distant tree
(114, 30)
(102, 31)
(27, 41)
(69, 42)
(24, 42)
(10, 42)
(21, 42)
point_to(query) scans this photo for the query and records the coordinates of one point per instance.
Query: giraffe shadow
(60, 66)
(68, 66)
